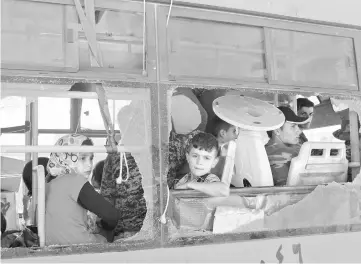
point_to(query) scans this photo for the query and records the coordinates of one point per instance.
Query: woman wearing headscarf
(69, 196)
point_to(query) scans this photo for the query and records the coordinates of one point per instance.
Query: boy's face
(308, 113)
(201, 161)
(230, 134)
(84, 165)
(289, 133)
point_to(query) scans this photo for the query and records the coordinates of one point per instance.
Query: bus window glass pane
(120, 38)
(54, 113)
(32, 34)
(13, 139)
(313, 59)
(12, 111)
(91, 117)
(210, 49)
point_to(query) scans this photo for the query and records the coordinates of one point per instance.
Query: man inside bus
(284, 145)
(305, 109)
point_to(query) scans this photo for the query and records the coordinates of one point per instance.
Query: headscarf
(64, 163)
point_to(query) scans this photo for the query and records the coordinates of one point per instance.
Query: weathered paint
(332, 248)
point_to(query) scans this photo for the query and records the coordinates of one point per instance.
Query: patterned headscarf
(64, 163)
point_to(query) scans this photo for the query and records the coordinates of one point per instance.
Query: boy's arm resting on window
(219, 189)
(97, 204)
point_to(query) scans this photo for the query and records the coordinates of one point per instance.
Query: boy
(284, 145)
(224, 132)
(202, 156)
(305, 108)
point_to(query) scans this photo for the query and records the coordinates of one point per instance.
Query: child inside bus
(202, 156)
(69, 196)
(224, 132)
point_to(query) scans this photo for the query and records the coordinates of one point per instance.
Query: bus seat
(319, 163)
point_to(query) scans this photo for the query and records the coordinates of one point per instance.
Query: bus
(149, 72)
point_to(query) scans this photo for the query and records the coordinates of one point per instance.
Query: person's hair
(3, 223)
(203, 141)
(219, 124)
(28, 173)
(87, 142)
(304, 102)
(98, 172)
(270, 133)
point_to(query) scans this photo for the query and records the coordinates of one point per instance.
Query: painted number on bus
(296, 248)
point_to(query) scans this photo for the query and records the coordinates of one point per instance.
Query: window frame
(256, 21)
(152, 243)
(160, 86)
(69, 50)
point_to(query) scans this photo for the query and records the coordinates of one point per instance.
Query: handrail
(69, 94)
(59, 149)
(40, 203)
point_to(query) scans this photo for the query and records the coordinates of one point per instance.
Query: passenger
(344, 134)
(224, 132)
(284, 145)
(70, 195)
(305, 109)
(3, 223)
(28, 173)
(202, 156)
(97, 175)
(96, 180)
(28, 180)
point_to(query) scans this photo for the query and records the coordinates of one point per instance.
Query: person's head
(289, 132)
(223, 131)
(28, 173)
(97, 174)
(305, 108)
(67, 163)
(344, 132)
(202, 153)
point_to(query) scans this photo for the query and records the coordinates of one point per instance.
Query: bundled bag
(127, 197)
(19, 238)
